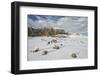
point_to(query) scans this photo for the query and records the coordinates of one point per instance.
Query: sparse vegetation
(44, 32)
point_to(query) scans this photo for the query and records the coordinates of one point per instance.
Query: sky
(67, 23)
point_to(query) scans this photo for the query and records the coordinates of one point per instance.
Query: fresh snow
(73, 44)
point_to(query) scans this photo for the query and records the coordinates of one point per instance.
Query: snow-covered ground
(69, 45)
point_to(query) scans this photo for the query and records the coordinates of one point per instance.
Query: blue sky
(55, 18)
(34, 17)
(68, 23)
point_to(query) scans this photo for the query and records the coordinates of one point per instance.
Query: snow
(77, 44)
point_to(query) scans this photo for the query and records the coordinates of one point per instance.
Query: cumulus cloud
(68, 23)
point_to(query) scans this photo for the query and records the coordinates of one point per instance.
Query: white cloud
(69, 24)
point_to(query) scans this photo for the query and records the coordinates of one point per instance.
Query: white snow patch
(72, 44)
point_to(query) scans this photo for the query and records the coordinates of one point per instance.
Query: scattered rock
(45, 53)
(56, 47)
(48, 42)
(61, 44)
(73, 55)
(36, 50)
(54, 40)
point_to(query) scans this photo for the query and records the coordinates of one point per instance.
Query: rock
(36, 50)
(56, 47)
(48, 42)
(73, 55)
(45, 52)
(54, 40)
(61, 44)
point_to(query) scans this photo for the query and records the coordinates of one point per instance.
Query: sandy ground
(71, 45)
